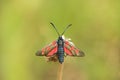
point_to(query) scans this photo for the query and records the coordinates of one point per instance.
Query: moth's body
(60, 51)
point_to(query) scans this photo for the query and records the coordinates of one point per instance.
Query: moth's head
(60, 38)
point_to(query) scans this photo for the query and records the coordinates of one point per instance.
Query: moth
(58, 49)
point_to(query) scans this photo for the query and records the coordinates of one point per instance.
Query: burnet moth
(58, 49)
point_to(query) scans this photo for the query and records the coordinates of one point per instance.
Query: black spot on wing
(81, 54)
(39, 53)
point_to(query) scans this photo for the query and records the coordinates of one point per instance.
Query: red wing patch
(71, 50)
(67, 51)
(52, 51)
(49, 50)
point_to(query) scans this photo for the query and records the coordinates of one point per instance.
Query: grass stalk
(60, 71)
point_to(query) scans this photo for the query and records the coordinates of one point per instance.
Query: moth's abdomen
(60, 54)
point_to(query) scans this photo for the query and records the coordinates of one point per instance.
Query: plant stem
(60, 71)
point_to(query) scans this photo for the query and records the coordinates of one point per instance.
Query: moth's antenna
(66, 29)
(55, 28)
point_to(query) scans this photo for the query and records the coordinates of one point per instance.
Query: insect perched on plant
(59, 48)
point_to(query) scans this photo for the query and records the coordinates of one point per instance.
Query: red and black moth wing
(48, 50)
(71, 50)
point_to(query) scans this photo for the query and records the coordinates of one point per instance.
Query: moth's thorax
(60, 41)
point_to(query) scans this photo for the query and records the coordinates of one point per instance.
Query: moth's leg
(53, 58)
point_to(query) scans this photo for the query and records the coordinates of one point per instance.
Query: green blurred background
(25, 28)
